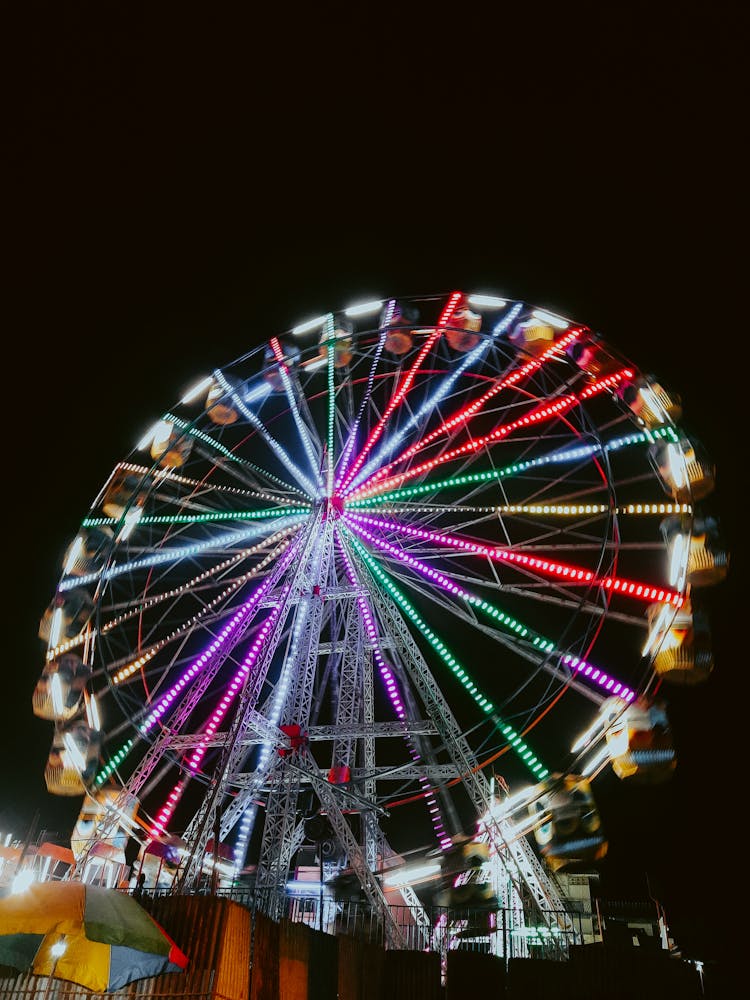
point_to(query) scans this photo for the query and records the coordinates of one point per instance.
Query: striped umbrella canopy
(100, 938)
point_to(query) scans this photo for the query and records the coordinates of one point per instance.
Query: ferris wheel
(420, 568)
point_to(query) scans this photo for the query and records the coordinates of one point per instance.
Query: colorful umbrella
(100, 938)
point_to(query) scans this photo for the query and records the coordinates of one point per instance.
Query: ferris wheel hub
(333, 507)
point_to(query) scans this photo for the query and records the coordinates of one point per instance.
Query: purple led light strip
(392, 688)
(587, 670)
(193, 762)
(200, 662)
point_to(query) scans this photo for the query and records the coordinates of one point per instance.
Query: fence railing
(496, 931)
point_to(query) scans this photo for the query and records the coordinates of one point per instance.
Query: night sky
(172, 201)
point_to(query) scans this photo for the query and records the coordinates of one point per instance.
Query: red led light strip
(468, 411)
(404, 387)
(539, 415)
(567, 571)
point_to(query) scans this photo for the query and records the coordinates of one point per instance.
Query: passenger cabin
(639, 740)
(59, 691)
(570, 829)
(73, 759)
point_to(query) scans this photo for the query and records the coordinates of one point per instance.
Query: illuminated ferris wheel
(381, 572)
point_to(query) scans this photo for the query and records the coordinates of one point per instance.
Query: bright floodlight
(585, 738)
(257, 393)
(407, 876)
(57, 949)
(55, 690)
(76, 757)
(156, 432)
(162, 434)
(554, 320)
(192, 394)
(503, 808)
(92, 713)
(488, 301)
(676, 460)
(55, 627)
(678, 560)
(311, 324)
(652, 402)
(75, 550)
(595, 761)
(132, 518)
(316, 363)
(21, 882)
(658, 627)
(364, 308)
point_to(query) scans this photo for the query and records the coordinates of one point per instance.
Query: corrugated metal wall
(467, 968)
(215, 934)
(360, 969)
(323, 977)
(264, 977)
(412, 975)
(294, 960)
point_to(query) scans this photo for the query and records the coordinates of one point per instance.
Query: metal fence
(502, 932)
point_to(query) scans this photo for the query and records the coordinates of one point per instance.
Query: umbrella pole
(27, 841)
(57, 949)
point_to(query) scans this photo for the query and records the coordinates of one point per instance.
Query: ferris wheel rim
(355, 500)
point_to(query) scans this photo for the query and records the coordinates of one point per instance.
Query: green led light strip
(224, 515)
(201, 436)
(515, 741)
(113, 762)
(509, 470)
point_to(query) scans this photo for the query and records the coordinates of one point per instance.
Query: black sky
(178, 192)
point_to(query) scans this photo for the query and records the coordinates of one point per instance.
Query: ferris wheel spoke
(174, 706)
(311, 450)
(193, 762)
(183, 523)
(213, 611)
(541, 593)
(548, 593)
(367, 622)
(178, 553)
(236, 749)
(486, 477)
(118, 612)
(564, 667)
(165, 483)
